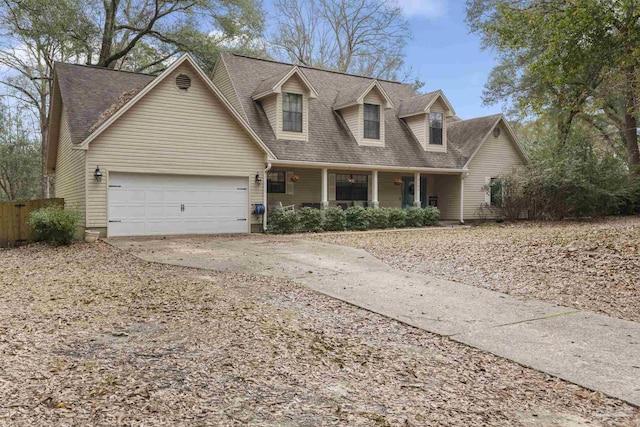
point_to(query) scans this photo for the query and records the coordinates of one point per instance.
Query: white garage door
(146, 204)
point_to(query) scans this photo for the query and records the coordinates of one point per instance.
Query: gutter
(343, 166)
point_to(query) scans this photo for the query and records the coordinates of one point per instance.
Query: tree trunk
(630, 132)
(631, 143)
(110, 9)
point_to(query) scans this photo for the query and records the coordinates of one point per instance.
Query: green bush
(357, 218)
(283, 221)
(378, 218)
(430, 216)
(335, 219)
(415, 217)
(310, 219)
(397, 217)
(54, 224)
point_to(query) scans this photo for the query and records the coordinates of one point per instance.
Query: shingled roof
(467, 135)
(330, 140)
(90, 93)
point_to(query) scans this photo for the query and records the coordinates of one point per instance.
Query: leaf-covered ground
(593, 265)
(90, 335)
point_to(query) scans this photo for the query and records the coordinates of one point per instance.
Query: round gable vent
(496, 131)
(183, 82)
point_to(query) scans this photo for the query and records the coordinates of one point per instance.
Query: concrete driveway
(595, 351)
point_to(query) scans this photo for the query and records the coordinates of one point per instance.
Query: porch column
(416, 190)
(462, 177)
(375, 203)
(325, 188)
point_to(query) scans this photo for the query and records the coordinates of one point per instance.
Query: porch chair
(280, 206)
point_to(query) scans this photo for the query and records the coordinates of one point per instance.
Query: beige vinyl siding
(270, 107)
(389, 194)
(173, 132)
(437, 107)
(496, 156)
(294, 85)
(308, 188)
(417, 124)
(223, 81)
(351, 116)
(447, 189)
(70, 168)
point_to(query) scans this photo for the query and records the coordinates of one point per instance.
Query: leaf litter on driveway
(90, 335)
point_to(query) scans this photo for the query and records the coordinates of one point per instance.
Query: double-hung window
(435, 128)
(276, 182)
(291, 112)
(371, 121)
(352, 187)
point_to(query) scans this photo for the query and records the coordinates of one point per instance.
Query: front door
(408, 191)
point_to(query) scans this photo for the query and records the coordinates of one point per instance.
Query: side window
(435, 128)
(371, 121)
(276, 182)
(292, 112)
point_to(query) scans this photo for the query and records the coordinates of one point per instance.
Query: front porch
(300, 187)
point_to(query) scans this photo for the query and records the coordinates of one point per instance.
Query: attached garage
(150, 204)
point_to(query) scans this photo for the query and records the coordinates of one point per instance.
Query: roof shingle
(89, 92)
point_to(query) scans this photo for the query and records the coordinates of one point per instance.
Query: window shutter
(369, 198)
(487, 192)
(331, 182)
(289, 183)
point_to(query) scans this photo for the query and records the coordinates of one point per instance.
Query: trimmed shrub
(357, 218)
(397, 217)
(335, 219)
(283, 221)
(415, 217)
(310, 219)
(54, 224)
(378, 218)
(430, 216)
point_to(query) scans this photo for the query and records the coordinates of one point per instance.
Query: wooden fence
(14, 216)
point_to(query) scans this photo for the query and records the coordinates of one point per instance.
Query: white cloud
(423, 8)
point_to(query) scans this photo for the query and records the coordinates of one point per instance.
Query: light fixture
(258, 179)
(97, 174)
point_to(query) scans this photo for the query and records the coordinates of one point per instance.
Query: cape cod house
(186, 153)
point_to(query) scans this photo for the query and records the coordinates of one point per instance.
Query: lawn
(90, 335)
(591, 265)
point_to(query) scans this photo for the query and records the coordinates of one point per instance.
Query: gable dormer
(285, 100)
(426, 115)
(363, 111)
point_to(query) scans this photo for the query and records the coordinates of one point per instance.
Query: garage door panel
(145, 204)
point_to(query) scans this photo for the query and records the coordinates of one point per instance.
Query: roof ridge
(316, 68)
(477, 118)
(96, 67)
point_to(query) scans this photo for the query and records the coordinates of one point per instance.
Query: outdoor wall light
(97, 174)
(258, 179)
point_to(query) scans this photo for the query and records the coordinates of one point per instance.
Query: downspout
(264, 196)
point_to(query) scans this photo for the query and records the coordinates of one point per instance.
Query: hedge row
(334, 218)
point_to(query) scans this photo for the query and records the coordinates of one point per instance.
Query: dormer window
(292, 112)
(371, 121)
(435, 128)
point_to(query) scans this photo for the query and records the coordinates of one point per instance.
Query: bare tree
(365, 37)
